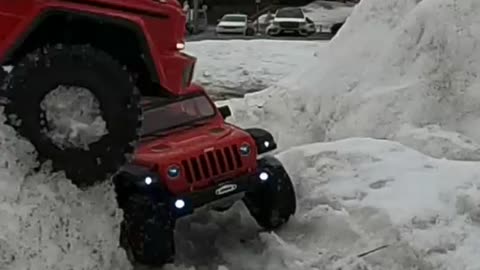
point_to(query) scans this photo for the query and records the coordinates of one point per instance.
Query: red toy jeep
(189, 157)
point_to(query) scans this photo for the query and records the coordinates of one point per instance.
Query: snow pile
(327, 12)
(46, 222)
(395, 70)
(354, 196)
(236, 67)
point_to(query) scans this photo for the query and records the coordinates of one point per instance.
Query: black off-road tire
(274, 202)
(147, 231)
(42, 71)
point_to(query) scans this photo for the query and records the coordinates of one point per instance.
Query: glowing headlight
(180, 46)
(148, 180)
(173, 171)
(245, 150)
(266, 144)
(179, 204)
(263, 176)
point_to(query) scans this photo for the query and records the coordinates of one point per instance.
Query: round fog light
(148, 180)
(179, 204)
(263, 176)
(173, 172)
(245, 150)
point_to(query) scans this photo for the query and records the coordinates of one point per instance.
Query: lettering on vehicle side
(225, 189)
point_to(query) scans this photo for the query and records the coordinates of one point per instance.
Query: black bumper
(224, 190)
(132, 179)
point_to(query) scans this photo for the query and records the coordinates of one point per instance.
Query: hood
(182, 143)
(197, 152)
(239, 24)
(299, 20)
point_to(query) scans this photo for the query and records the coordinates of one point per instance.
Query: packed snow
(46, 222)
(377, 130)
(72, 117)
(354, 196)
(236, 67)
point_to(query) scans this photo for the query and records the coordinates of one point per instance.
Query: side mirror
(225, 111)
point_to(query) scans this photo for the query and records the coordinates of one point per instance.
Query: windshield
(177, 113)
(290, 13)
(234, 18)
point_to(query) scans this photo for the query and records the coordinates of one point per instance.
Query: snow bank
(327, 12)
(236, 67)
(46, 222)
(395, 65)
(354, 196)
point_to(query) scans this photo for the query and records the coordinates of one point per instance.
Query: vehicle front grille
(212, 164)
(290, 25)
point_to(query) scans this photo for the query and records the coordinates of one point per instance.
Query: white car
(291, 20)
(234, 24)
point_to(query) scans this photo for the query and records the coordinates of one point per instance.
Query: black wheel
(274, 202)
(147, 232)
(250, 32)
(78, 107)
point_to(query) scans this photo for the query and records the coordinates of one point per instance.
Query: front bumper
(132, 178)
(277, 29)
(237, 30)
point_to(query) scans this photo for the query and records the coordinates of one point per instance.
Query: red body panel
(162, 23)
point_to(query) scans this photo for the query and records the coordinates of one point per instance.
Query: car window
(289, 13)
(233, 18)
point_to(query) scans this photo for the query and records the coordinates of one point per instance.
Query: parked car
(235, 24)
(291, 20)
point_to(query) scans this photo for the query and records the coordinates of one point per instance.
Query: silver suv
(291, 20)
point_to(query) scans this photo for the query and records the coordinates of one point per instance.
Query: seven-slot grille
(212, 163)
(290, 25)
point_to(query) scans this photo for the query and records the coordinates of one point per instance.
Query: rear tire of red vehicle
(80, 71)
(147, 232)
(274, 202)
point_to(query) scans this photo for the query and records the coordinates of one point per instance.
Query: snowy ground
(406, 71)
(236, 67)
(355, 195)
